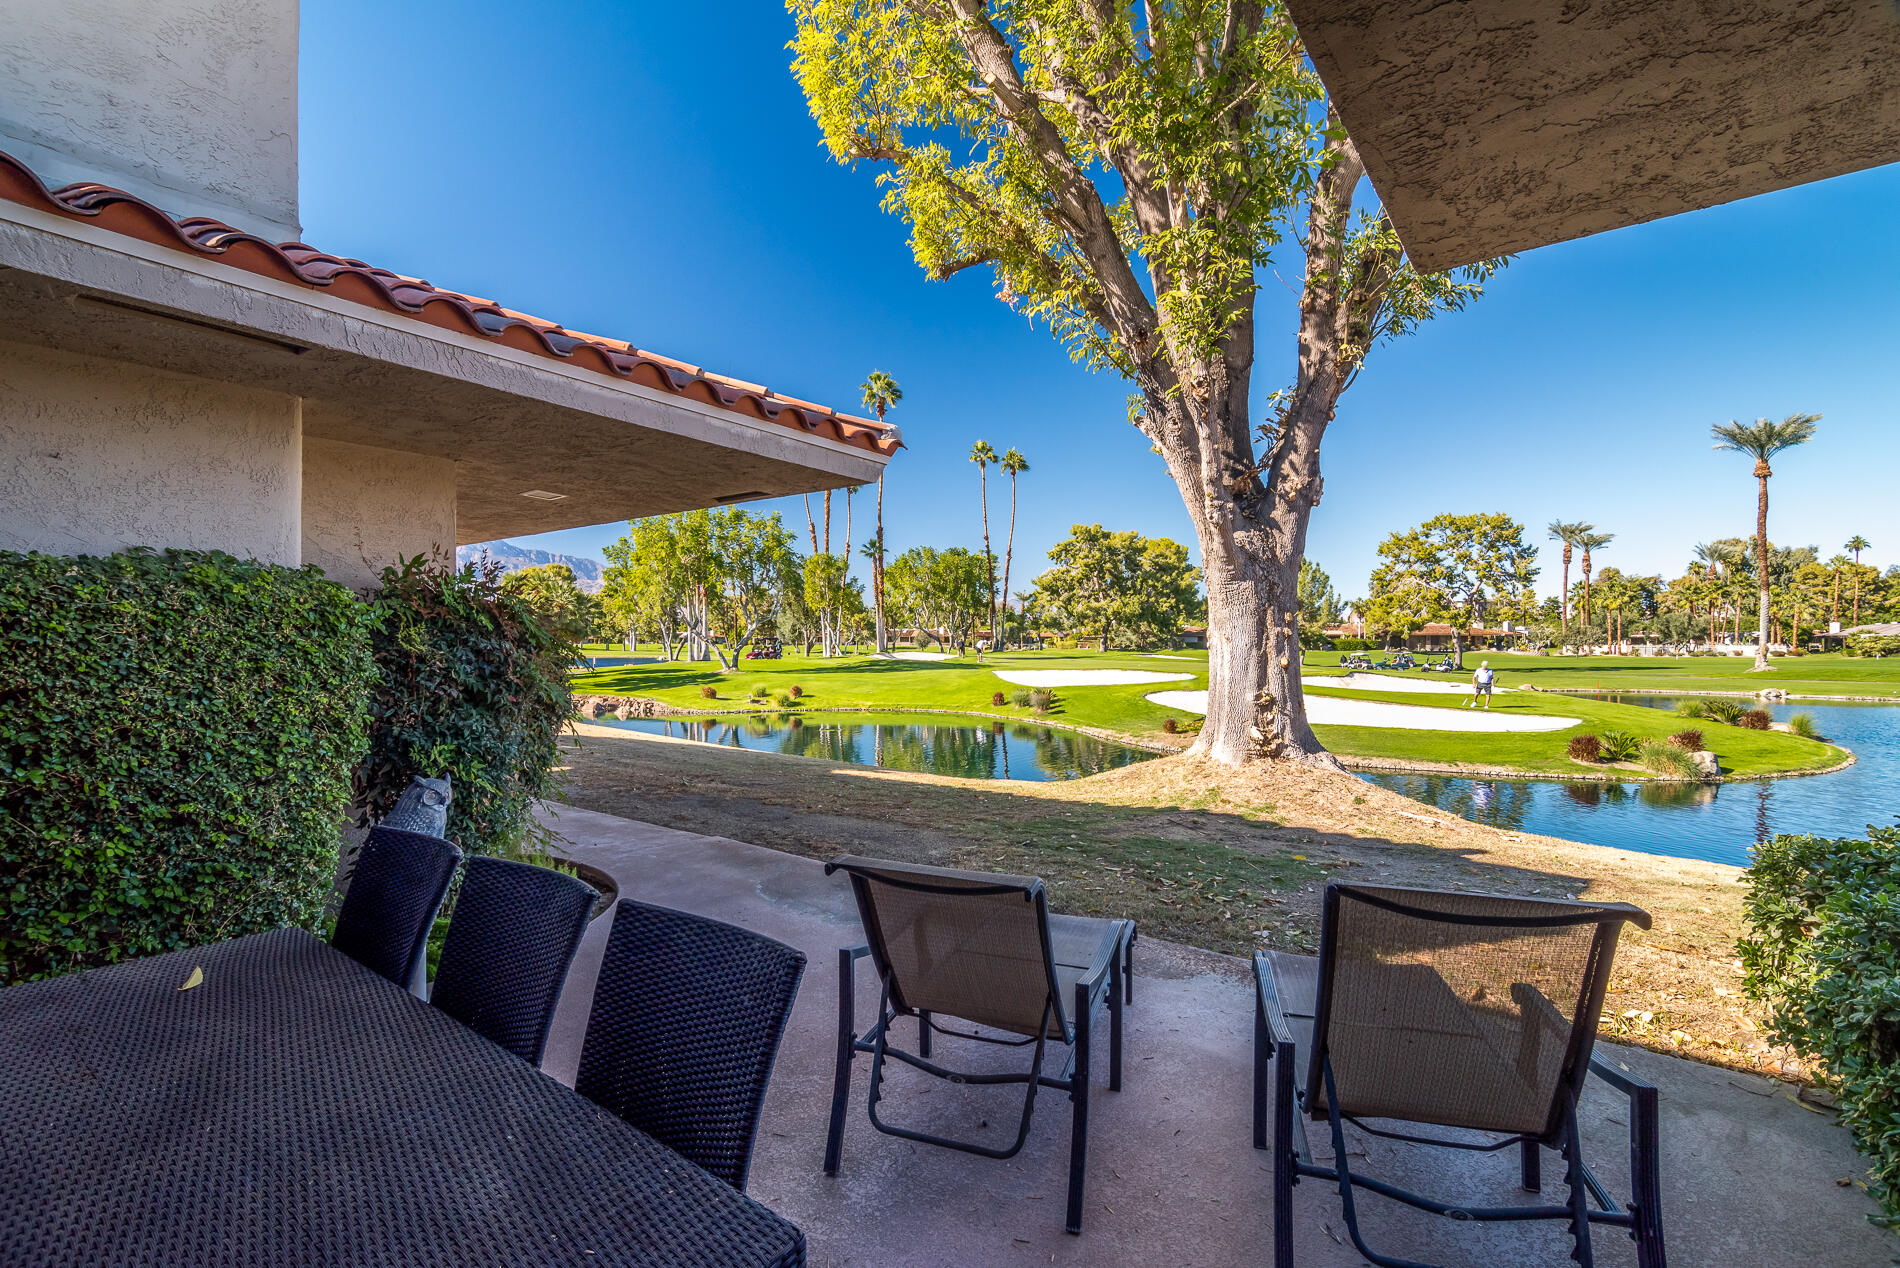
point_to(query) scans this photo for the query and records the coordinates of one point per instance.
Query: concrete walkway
(1750, 1176)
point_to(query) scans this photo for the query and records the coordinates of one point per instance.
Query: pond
(969, 748)
(1717, 822)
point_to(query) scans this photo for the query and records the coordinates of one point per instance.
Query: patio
(1750, 1175)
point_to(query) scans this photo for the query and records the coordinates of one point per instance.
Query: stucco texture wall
(365, 508)
(99, 455)
(191, 104)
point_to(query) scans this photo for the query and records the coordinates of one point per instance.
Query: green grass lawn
(1829, 675)
(862, 682)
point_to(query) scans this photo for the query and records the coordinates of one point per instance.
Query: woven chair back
(511, 938)
(1460, 1009)
(394, 894)
(686, 1023)
(973, 945)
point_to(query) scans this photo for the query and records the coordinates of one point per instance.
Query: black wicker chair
(394, 893)
(1448, 1010)
(511, 938)
(685, 1025)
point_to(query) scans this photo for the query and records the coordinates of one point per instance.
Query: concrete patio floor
(1750, 1176)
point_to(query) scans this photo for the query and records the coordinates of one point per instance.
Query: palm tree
(1762, 440)
(1588, 541)
(1568, 533)
(811, 525)
(880, 393)
(983, 456)
(1014, 463)
(1857, 543)
(1836, 564)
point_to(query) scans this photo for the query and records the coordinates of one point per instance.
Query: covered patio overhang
(545, 428)
(1494, 127)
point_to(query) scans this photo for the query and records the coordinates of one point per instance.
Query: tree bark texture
(1761, 563)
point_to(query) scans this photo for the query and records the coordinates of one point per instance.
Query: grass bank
(1206, 856)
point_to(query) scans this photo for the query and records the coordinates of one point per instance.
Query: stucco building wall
(98, 455)
(365, 508)
(191, 104)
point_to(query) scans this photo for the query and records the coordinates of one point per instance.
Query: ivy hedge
(472, 686)
(1823, 951)
(177, 730)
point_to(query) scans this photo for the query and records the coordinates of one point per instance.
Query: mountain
(513, 558)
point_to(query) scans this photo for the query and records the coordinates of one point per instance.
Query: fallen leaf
(195, 978)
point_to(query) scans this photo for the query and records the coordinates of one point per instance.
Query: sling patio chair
(511, 938)
(1449, 1010)
(686, 1023)
(395, 892)
(986, 949)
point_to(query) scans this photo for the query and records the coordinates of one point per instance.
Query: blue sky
(651, 173)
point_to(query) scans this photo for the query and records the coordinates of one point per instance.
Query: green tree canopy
(1120, 587)
(563, 608)
(1319, 602)
(1458, 569)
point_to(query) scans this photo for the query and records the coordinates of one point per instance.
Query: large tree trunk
(1761, 565)
(1457, 649)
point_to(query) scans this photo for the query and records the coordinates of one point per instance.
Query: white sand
(913, 656)
(1331, 711)
(1390, 682)
(1085, 677)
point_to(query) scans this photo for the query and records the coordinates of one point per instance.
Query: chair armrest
(1269, 994)
(858, 952)
(1092, 982)
(1623, 1081)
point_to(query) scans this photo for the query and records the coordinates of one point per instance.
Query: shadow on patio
(1750, 1177)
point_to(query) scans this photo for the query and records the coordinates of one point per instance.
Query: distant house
(1191, 636)
(1437, 638)
(177, 369)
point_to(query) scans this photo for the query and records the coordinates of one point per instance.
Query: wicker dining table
(290, 1107)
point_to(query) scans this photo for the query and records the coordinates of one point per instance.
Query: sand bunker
(1331, 711)
(1086, 677)
(1390, 682)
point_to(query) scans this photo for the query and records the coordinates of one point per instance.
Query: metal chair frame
(1108, 980)
(1588, 1201)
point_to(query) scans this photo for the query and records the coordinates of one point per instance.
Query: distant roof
(353, 280)
(1890, 628)
(1494, 126)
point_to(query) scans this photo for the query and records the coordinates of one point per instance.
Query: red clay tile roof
(353, 280)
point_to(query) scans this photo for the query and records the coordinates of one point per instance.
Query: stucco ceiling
(1494, 126)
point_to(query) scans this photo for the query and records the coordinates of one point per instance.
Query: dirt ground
(1202, 855)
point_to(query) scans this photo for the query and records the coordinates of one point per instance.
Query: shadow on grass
(1200, 869)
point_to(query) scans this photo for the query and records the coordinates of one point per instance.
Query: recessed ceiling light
(542, 495)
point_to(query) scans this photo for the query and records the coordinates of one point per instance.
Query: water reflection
(966, 748)
(1719, 822)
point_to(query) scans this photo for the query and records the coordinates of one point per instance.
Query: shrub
(1755, 720)
(794, 691)
(996, 698)
(1043, 699)
(1020, 697)
(784, 699)
(1586, 748)
(1667, 758)
(1823, 952)
(1171, 725)
(1350, 645)
(1692, 708)
(709, 692)
(1619, 746)
(760, 691)
(470, 685)
(1802, 724)
(1875, 645)
(176, 735)
(1722, 711)
(1689, 741)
